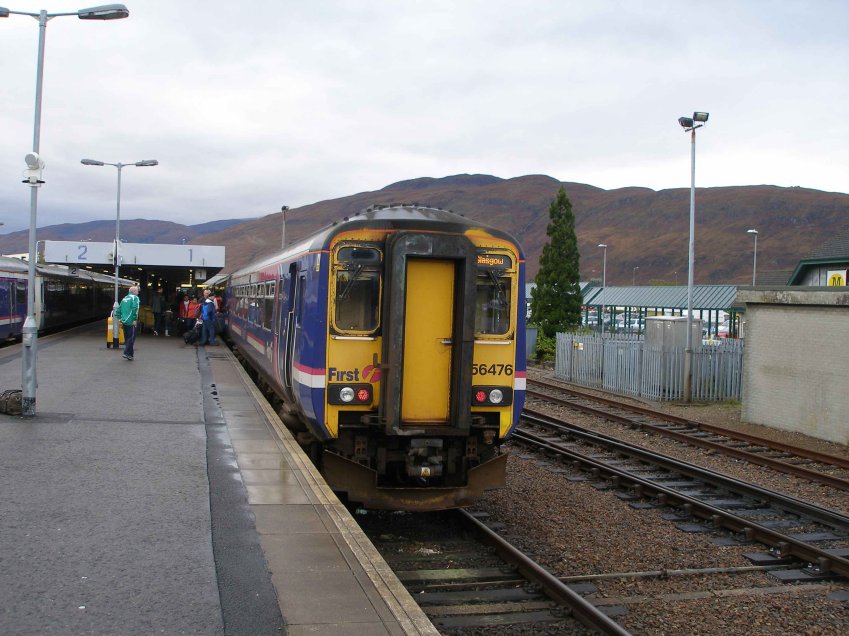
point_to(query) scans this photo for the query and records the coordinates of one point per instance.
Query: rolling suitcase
(192, 335)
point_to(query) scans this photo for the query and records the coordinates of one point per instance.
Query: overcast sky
(249, 106)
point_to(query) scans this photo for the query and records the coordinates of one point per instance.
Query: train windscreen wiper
(499, 288)
(351, 281)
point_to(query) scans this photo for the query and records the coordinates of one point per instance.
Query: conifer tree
(556, 300)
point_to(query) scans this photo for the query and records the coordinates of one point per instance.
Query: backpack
(11, 402)
(199, 310)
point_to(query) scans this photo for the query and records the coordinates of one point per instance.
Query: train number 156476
(492, 369)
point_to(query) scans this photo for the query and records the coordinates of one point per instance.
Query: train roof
(392, 217)
(9, 264)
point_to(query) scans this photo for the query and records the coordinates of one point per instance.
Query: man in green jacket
(128, 314)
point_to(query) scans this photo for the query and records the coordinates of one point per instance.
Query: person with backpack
(208, 318)
(128, 313)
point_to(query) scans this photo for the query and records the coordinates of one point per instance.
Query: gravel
(577, 530)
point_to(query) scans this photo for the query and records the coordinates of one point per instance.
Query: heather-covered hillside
(642, 228)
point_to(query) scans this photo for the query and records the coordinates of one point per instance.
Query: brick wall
(796, 362)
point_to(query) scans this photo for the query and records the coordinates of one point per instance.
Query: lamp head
(104, 12)
(146, 162)
(91, 162)
(752, 231)
(602, 245)
(685, 122)
(4, 12)
(701, 117)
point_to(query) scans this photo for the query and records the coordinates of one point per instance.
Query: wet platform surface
(160, 495)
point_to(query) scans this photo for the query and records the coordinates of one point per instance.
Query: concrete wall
(796, 361)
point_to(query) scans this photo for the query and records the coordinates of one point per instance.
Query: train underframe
(419, 469)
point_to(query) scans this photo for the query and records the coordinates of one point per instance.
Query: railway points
(161, 496)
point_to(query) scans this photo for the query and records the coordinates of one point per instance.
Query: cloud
(251, 107)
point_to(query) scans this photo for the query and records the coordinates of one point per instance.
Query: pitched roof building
(826, 266)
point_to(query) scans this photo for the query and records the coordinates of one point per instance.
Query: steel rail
(793, 505)
(753, 458)
(786, 545)
(825, 458)
(581, 609)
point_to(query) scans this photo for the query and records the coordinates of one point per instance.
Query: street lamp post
(634, 276)
(117, 255)
(690, 125)
(755, 257)
(32, 175)
(603, 284)
(284, 209)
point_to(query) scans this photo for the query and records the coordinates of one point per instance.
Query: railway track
(466, 576)
(822, 468)
(794, 531)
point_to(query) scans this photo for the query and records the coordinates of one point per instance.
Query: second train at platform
(64, 296)
(394, 344)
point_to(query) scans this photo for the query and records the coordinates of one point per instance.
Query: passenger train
(64, 296)
(395, 342)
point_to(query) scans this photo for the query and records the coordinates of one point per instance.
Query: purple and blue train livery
(394, 342)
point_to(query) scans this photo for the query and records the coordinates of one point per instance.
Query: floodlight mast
(690, 125)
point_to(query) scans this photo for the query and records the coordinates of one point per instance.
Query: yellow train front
(407, 368)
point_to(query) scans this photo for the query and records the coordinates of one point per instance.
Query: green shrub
(546, 347)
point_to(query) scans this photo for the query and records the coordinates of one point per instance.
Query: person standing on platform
(157, 306)
(128, 314)
(207, 334)
(193, 312)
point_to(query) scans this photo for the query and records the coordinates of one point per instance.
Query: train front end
(425, 371)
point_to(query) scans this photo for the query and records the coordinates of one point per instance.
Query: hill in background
(642, 228)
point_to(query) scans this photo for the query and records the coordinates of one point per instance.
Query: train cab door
(429, 335)
(428, 331)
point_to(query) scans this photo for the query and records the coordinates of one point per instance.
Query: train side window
(268, 311)
(21, 293)
(493, 302)
(357, 289)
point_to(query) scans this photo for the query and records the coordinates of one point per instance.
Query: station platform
(163, 495)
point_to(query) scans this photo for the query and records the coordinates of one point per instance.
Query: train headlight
(350, 394)
(492, 396)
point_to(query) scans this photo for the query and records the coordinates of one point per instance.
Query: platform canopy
(147, 261)
(705, 297)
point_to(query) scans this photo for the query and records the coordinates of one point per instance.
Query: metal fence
(624, 365)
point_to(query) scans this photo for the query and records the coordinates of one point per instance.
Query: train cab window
(492, 302)
(357, 289)
(21, 292)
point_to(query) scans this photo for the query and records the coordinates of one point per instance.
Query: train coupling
(424, 458)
